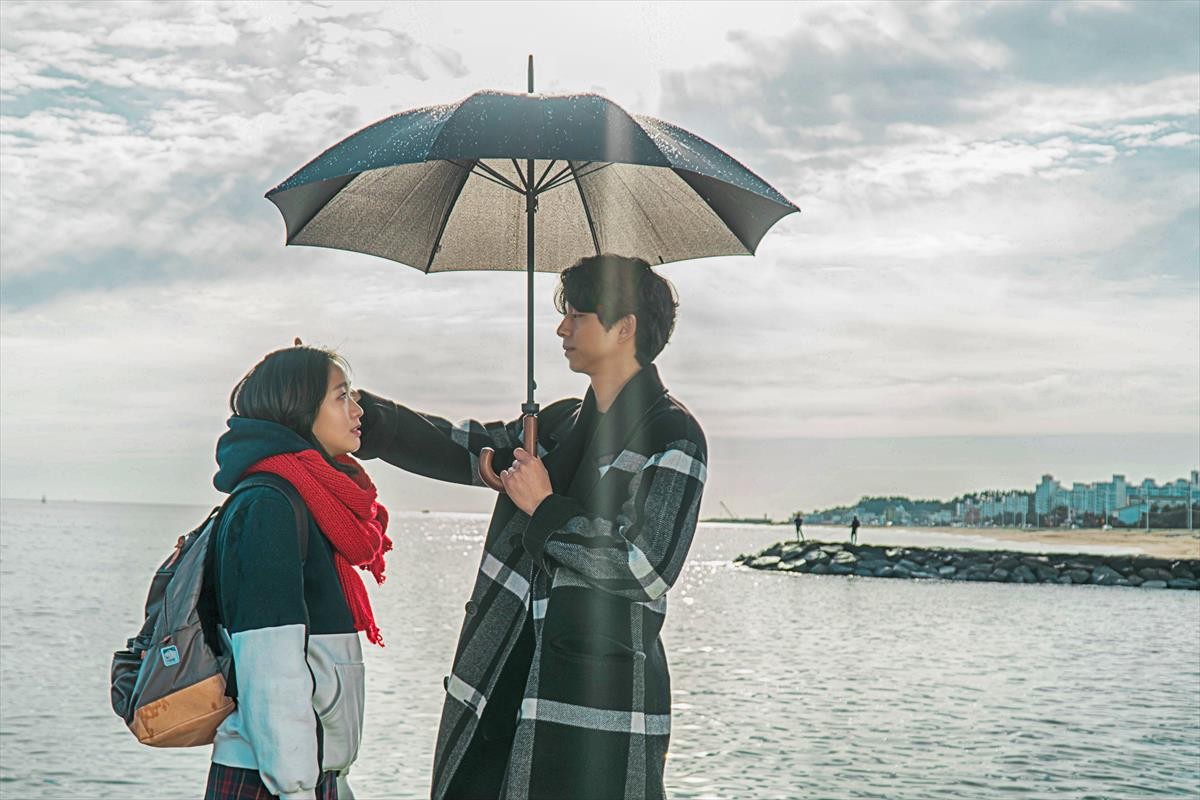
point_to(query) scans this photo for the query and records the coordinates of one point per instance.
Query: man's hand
(526, 481)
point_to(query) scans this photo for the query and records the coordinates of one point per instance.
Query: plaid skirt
(235, 783)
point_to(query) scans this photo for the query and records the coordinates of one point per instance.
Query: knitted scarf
(347, 512)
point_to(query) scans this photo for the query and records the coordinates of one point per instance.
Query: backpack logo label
(170, 656)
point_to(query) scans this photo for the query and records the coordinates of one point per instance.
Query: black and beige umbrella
(448, 187)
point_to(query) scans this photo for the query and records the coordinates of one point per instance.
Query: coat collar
(616, 426)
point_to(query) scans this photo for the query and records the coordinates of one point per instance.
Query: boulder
(820, 568)
(1154, 585)
(909, 566)
(946, 571)
(1079, 575)
(1134, 580)
(1154, 574)
(765, 562)
(840, 569)
(1008, 563)
(1183, 583)
(1181, 570)
(1046, 573)
(1105, 575)
(884, 571)
(845, 557)
(831, 548)
(774, 550)
(999, 574)
(1064, 579)
(1024, 574)
(1122, 564)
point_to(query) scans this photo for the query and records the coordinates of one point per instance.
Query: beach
(1174, 543)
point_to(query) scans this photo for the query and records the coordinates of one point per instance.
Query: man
(799, 520)
(559, 687)
(854, 523)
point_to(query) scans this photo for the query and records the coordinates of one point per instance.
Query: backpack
(169, 684)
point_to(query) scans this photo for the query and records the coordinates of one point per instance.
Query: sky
(996, 273)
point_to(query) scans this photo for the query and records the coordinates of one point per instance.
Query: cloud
(198, 114)
(988, 246)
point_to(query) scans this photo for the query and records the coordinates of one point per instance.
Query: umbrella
(445, 188)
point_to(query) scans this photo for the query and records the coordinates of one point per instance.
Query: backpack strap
(210, 603)
(289, 491)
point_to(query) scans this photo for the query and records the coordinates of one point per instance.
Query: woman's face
(337, 425)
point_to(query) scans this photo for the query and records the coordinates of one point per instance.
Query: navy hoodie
(297, 656)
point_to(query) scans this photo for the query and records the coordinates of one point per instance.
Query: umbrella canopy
(443, 188)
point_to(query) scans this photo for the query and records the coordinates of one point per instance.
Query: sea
(785, 685)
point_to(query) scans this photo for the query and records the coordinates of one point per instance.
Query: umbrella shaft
(530, 406)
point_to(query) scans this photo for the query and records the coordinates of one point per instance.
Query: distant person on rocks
(854, 524)
(559, 686)
(799, 520)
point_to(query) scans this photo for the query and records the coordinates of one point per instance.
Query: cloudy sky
(996, 274)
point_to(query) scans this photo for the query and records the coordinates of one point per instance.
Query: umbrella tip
(297, 342)
(531, 73)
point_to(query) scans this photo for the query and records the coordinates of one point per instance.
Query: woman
(291, 620)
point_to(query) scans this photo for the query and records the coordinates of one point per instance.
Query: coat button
(472, 607)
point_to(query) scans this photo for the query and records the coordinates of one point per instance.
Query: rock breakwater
(1002, 566)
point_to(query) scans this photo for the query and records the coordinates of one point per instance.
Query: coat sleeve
(262, 607)
(639, 554)
(435, 447)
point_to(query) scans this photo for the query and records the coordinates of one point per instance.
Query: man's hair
(288, 387)
(613, 287)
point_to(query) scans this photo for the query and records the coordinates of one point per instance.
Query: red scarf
(345, 509)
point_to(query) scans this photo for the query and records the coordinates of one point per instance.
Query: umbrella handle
(487, 474)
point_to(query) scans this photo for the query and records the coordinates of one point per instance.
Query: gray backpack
(169, 684)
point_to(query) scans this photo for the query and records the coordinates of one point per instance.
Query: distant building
(1099, 499)
(1046, 497)
(1130, 515)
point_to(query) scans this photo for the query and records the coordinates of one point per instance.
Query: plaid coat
(592, 565)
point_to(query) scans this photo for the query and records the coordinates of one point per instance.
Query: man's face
(587, 346)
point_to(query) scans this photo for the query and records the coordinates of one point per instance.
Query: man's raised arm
(429, 445)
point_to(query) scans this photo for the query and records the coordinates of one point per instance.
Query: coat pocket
(342, 718)
(590, 647)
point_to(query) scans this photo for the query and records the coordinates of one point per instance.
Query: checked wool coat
(591, 568)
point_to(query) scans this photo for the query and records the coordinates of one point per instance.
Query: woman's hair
(288, 387)
(613, 287)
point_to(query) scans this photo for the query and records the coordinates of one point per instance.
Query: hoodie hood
(249, 441)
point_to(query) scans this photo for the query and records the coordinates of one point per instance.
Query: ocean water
(786, 686)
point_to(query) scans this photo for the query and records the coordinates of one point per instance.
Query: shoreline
(1174, 543)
